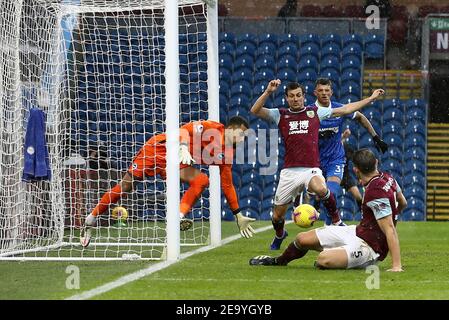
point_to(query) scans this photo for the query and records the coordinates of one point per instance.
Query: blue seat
(224, 74)
(393, 139)
(268, 37)
(266, 49)
(287, 62)
(246, 48)
(350, 75)
(240, 101)
(330, 49)
(415, 153)
(264, 75)
(393, 152)
(394, 166)
(226, 36)
(351, 62)
(224, 88)
(223, 103)
(366, 141)
(308, 62)
(286, 75)
(413, 214)
(266, 61)
(310, 49)
(243, 61)
(250, 189)
(246, 37)
(331, 62)
(225, 61)
(241, 87)
(250, 203)
(374, 46)
(415, 128)
(259, 88)
(414, 140)
(392, 104)
(416, 113)
(280, 102)
(287, 39)
(393, 115)
(352, 50)
(269, 192)
(349, 88)
(309, 86)
(415, 191)
(393, 127)
(414, 166)
(332, 39)
(411, 103)
(307, 75)
(352, 39)
(226, 48)
(306, 39)
(267, 204)
(349, 98)
(244, 74)
(416, 203)
(251, 177)
(288, 50)
(330, 73)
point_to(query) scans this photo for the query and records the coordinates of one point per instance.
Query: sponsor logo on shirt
(298, 127)
(311, 114)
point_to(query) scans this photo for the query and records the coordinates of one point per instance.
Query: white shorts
(360, 254)
(292, 182)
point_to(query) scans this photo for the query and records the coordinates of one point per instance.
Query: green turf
(224, 273)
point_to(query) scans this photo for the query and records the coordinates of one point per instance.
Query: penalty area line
(153, 268)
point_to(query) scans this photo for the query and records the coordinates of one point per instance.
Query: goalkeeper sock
(331, 206)
(278, 226)
(112, 196)
(294, 251)
(197, 186)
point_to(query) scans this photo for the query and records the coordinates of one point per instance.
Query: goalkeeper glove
(184, 155)
(380, 144)
(243, 223)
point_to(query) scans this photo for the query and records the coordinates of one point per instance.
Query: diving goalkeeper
(201, 142)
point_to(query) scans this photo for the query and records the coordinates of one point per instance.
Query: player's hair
(237, 121)
(293, 86)
(364, 160)
(323, 82)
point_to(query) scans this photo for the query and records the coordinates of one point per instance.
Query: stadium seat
(414, 166)
(392, 114)
(310, 49)
(244, 61)
(331, 39)
(246, 37)
(414, 140)
(224, 87)
(393, 152)
(266, 61)
(250, 203)
(308, 62)
(226, 48)
(250, 189)
(330, 62)
(286, 75)
(226, 36)
(224, 74)
(349, 98)
(307, 75)
(415, 114)
(352, 50)
(287, 50)
(393, 140)
(413, 214)
(244, 74)
(264, 75)
(266, 49)
(392, 165)
(330, 73)
(415, 128)
(223, 103)
(374, 46)
(288, 38)
(309, 86)
(392, 127)
(366, 141)
(280, 102)
(350, 39)
(394, 104)
(250, 177)
(268, 37)
(350, 75)
(415, 153)
(350, 88)
(307, 39)
(269, 192)
(330, 49)
(240, 101)
(414, 191)
(246, 48)
(287, 62)
(351, 62)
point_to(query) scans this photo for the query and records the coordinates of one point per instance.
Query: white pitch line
(151, 269)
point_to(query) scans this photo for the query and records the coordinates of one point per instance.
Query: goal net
(96, 69)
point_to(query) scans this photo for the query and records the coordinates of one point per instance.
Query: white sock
(91, 220)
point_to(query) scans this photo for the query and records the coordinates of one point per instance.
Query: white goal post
(108, 74)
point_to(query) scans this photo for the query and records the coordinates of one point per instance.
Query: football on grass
(119, 213)
(305, 215)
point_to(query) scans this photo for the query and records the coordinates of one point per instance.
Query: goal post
(108, 74)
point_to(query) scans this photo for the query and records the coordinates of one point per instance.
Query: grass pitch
(224, 273)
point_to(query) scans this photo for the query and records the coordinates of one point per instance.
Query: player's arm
(227, 186)
(380, 144)
(356, 106)
(388, 228)
(384, 215)
(258, 108)
(185, 137)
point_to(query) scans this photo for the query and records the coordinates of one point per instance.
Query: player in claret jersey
(361, 245)
(299, 127)
(201, 142)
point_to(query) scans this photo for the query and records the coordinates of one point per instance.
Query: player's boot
(276, 244)
(327, 220)
(263, 261)
(339, 223)
(185, 224)
(86, 231)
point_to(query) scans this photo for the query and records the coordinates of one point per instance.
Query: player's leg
(332, 259)
(334, 175)
(278, 221)
(355, 192)
(197, 183)
(317, 184)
